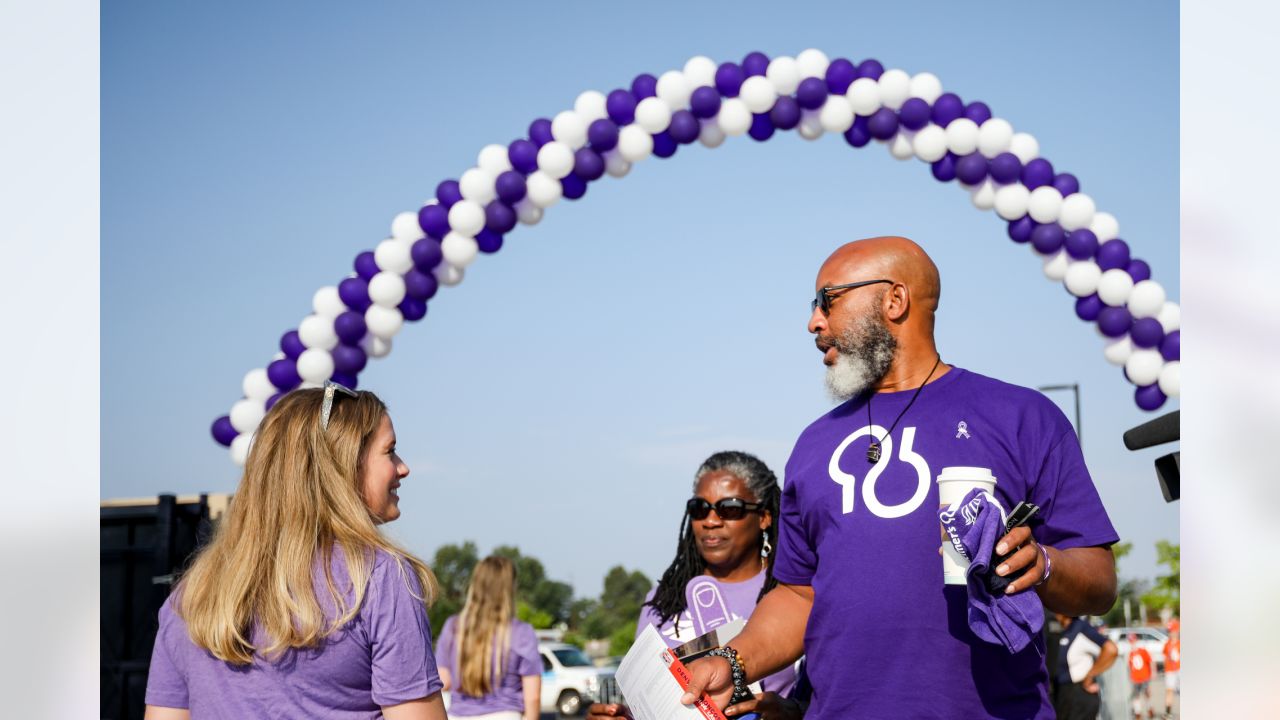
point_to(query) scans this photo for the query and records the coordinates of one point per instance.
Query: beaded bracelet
(740, 691)
(1048, 567)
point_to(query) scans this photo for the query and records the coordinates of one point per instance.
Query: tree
(1167, 590)
(453, 565)
(1130, 590)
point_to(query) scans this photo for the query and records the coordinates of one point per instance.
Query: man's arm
(1105, 658)
(1082, 581)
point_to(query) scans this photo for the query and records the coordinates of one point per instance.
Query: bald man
(861, 590)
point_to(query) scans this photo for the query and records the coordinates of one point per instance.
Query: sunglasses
(331, 388)
(824, 297)
(726, 509)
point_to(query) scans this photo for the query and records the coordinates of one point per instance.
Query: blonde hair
(484, 626)
(299, 499)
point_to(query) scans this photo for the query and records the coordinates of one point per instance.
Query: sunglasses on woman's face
(726, 509)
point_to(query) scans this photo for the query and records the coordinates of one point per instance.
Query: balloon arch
(707, 103)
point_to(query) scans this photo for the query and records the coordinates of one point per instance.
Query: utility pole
(1074, 388)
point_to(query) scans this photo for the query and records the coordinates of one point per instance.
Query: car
(1153, 639)
(570, 681)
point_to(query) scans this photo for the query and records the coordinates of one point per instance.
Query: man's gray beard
(864, 353)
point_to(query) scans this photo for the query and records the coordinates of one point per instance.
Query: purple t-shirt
(886, 638)
(711, 603)
(381, 657)
(522, 660)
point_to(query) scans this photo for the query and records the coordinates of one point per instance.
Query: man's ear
(897, 302)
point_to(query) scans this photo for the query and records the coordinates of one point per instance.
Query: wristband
(738, 672)
(1048, 567)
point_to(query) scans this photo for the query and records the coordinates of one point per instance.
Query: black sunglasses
(727, 509)
(824, 297)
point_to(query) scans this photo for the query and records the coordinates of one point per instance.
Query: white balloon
(374, 346)
(810, 126)
(1105, 226)
(387, 288)
(459, 251)
(448, 275)
(983, 195)
(1055, 265)
(1117, 351)
(700, 71)
(926, 86)
(555, 159)
(1077, 212)
(812, 63)
(784, 73)
(1114, 288)
(404, 226)
(590, 106)
(316, 331)
(711, 135)
(930, 143)
(994, 137)
(674, 90)
(1012, 201)
(962, 136)
(382, 321)
(634, 144)
(1143, 366)
(1025, 147)
(543, 190)
(1045, 204)
(476, 185)
(1147, 299)
(494, 159)
(278, 356)
(864, 96)
(257, 386)
(240, 448)
(895, 88)
(569, 128)
(653, 115)
(1171, 379)
(1082, 278)
(735, 117)
(758, 93)
(466, 217)
(327, 303)
(528, 213)
(316, 365)
(1170, 317)
(394, 255)
(616, 165)
(836, 115)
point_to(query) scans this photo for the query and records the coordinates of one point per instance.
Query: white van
(570, 682)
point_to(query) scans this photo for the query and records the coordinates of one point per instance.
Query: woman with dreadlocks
(721, 569)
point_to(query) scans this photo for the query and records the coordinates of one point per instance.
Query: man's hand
(1027, 556)
(770, 706)
(712, 676)
(599, 710)
(1090, 684)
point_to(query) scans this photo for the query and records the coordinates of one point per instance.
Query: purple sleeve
(525, 659)
(796, 560)
(446, 652)
(1072, 512)
(404, 667)
(166, 679)
(648, 616)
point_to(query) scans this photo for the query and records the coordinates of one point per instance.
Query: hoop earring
(765, 548)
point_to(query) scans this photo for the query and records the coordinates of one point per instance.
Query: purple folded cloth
(974, 526)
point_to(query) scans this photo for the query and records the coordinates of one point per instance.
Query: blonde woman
(489, 660)
(299, 607)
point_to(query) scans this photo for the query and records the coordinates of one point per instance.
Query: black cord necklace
(873, 452)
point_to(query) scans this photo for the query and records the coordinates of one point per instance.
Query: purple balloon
(1037, 173)
(575, 187)
(785, 114)
(1048, 239)
(883, 124)
(350, 327)
(434, 220)
(705, 102)
(915, 114)
(1147, 332)
(1114, 321)
(413, 309)
(291, 345)
(587, 164)
(523, 155)
(284, 374)
(1006, 168)
(729, 77)
(602, 134)
(366, 266)
(1113, 254)
(355, 294)
(978, 112)
(859, 134)
(870, 68)
(1020, 230)
(971, 169)
(488, 241)
(349, 359)
(540, 132)
(223, 431)
(685, 127)
(621, 106)
(422, 285)
(510, 186)
(644, 86)
(1139, 270)
(271, 401)
(448, 192)
(944, 168)
(426, 254)
(345, 380)
(1089, 307)
(755, 63)
(761, 127)
(812, 93)
(840, 75)
(1082, 244)
(500, 218)
(946, 108)
(1149, 397)
(1171, 346)
(1066, 183)
(664, 146)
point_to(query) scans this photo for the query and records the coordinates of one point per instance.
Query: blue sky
(562, 395)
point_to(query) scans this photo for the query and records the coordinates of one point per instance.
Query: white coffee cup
(953, 484)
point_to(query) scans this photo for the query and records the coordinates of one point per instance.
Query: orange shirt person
(1140, 676)
(1172, 663)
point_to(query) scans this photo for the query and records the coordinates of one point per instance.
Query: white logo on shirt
(962, 430)
(848, 482)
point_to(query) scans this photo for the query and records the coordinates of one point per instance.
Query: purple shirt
(381, 657)
(711, 603)
(886, 638)
(522, 660)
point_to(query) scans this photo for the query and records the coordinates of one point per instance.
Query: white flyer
(653, 679)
